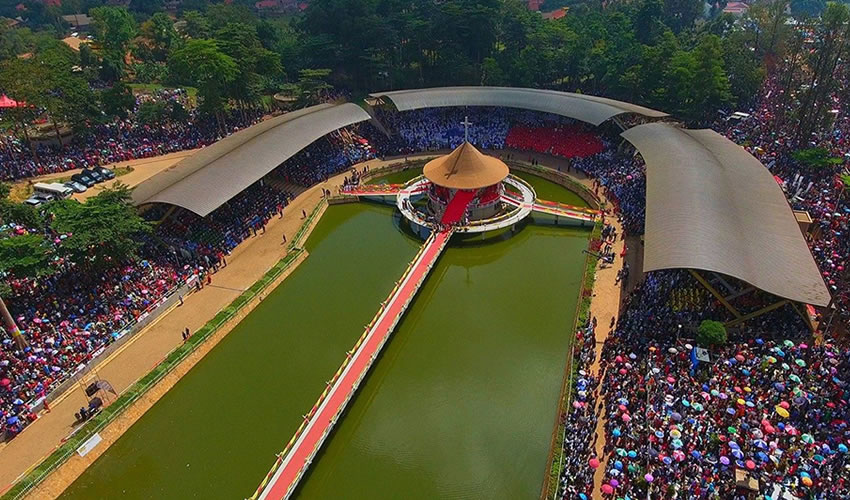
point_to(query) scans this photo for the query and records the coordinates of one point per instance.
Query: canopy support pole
(763, 310)
(716, 294)
(806, 318)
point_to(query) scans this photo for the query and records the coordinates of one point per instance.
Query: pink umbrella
(594, 463)
(649, 477)
(626, 417)
(607, 489)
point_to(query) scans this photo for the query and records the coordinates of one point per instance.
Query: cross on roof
(466, 123)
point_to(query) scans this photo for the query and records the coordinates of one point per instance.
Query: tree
(697, 81)
(159, 36)
(24, 256)
(114, 28)
(648, 21)
(104, 231)
(17, 79)
(711, 333)
(152, 113)
(118, 100)
(681, 14)
(816, 158)
(220, 15)
(146, 7)
(311, 86)
(831, 38)
(196, 25)
(88, 59)
(201, 64)
(253, 61)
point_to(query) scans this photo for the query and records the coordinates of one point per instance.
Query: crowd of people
(768, 409)
(71, 316)
(771, 406)
(118, 140)
(768, 413)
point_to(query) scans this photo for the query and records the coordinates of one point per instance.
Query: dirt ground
(142, 169)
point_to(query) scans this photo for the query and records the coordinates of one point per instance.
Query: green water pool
(461, 403)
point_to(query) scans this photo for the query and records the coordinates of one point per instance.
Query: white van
(56, 190)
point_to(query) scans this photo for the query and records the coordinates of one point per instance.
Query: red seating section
(569, 141)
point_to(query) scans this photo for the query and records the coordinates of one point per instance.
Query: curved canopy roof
(465, 168)
(582, 107)
(711, 205)
(209, 178)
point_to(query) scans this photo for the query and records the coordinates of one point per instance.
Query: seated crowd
(70, 317)
(119, 140)
(771, 403)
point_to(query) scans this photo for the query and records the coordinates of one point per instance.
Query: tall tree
(114, 28)
(830, 46)
(201, 64)
(104, 231)
(25, 256)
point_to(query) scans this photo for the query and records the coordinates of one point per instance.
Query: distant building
(556, 14)
(736, 8)
(278, 6)
(80, 22)
(534, 5)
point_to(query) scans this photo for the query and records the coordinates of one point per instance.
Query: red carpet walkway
(294, 461)
(457, 206)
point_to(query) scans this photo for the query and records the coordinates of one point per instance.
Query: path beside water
(215, 432)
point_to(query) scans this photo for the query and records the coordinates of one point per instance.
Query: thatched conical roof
(465, 168)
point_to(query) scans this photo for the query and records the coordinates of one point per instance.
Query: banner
(89, 445)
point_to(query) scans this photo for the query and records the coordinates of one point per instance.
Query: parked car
(94, 175)
(84, 179)
(104, 172)
(78, 187)
(38, 198)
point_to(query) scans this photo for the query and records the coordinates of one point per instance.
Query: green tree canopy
(816, 158)
(105, 230)
(25, 256)
(711, 333)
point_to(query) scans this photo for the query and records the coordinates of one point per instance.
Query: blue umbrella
(12, 420)
(616, 432)
(17, 402)
(738, 454)
(618, 465)
(632, 454)
(696, 454)
(762, 456)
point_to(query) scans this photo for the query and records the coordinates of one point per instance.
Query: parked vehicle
(94, 175)
(56, 190)
(104, 172)
(84, 179)
(78, 187)
(37, 199)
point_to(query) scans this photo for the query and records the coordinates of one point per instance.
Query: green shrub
(711, 333)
